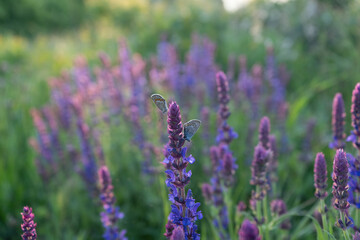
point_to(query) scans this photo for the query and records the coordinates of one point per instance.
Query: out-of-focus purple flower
(241, 207)
(356, 236)
(111, 214)
(264, 132)
(354, 184)
(259, 168)
(355, 117)
(278, 208)
(338, 122)
(340, 187)
(178, 234)
(223, 95)
(318, 217)
(88, 158)
(306, 154)
(207, 191)
(249, 231)
(169, 227)
(320, 176)
(29, 226)
(273, 164)
(184, 210)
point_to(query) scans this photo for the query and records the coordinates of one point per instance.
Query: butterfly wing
(190, 128)
(160, 102)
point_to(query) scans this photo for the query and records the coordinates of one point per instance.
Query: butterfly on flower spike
(160, 102)
(190, 128)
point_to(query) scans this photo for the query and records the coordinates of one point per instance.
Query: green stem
(267, 220)
(346, 234)
(357, 213)
(323, 216)
(230, 211)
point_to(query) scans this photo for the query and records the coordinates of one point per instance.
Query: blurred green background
(318, 40)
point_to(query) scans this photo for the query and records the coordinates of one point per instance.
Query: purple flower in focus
(178, 234)
(338, 122)
(354, 185)
(111, 214)
(249, 231)
(320, 176)
(28, 227)
(340, 187)
(355, 117)
(184, 210)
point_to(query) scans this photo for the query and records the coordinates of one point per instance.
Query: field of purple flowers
(193, 137)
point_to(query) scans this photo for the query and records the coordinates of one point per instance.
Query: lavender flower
(111, 214)
(278, 208)
(354, 185)
(259, 171)
(223, 95)
(249, 231)
(338, 122)
(320, 176)
(264, 131)
(184, 211)
(28, 226)
(340, 187)
(355, 117)
(178, 234)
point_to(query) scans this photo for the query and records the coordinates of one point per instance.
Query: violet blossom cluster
(29, 226)
(111, 214)
(320, 176)
(340, 188)
(355, 117)
(338, 122)
(249, 231)
(184, 209)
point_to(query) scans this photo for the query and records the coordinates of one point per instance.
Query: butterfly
(190, 128)
(160, 102)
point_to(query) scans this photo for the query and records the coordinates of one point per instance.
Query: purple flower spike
(178, 234)
(340, 178)
(111, 213)
(320, 176)
(249, 231)
(241, 207)
(259, 169)
(338, 122)
(175, 130)
(340, 188)
(28, 226)
(278, 208)
(355, 117)
(184, 210)
(223, 95)
(264, 131)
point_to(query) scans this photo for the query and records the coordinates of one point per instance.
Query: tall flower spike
(355, 117)
(264, 131)
(249, 231)
(320, 176)
(340, 187)
(354, 185)
(28, 226)
(111, 214)
(338, 122)
(258, 170)
(223, 94)
(184, 211)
